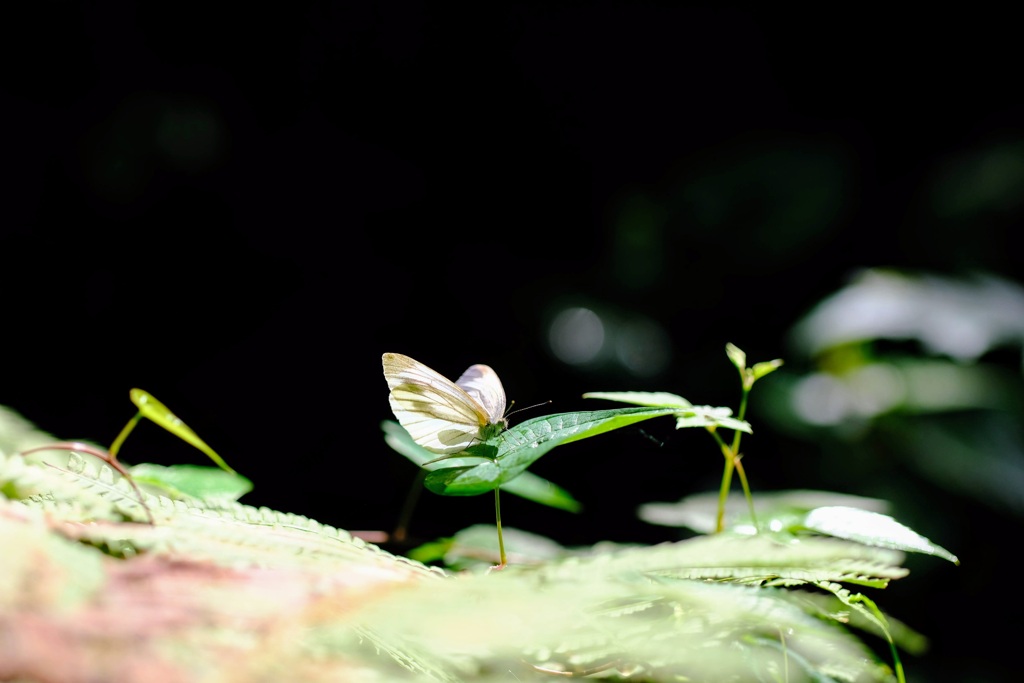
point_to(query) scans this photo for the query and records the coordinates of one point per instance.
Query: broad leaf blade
(193, 480)
(538, 489)
(527, 485)
(774, 509)
(689, 415)
(871, 528)
(522, 445)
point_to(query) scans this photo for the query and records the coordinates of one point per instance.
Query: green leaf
(856, 611)
(157, 412)
(475, 545)
(775, 509)
(689, 414)
(761, 369)
(512, 451)
(527, 485)
(538, 489)
(468, 480)
(654, 399)
(737, 356)
(871, 528)
(710, 416)
(434, 551)
(192, 480)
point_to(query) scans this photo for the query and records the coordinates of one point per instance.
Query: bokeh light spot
(576, 335)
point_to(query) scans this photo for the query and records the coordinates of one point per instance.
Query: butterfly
(441, 415)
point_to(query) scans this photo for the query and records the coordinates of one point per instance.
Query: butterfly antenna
(519, 410)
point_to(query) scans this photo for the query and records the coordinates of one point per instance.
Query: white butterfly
(441, 415)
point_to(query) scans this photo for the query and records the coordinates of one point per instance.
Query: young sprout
(155, 411)
(731, 452)
(711, 419)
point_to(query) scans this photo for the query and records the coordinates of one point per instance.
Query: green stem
(746, 489)
(410, 504)
(501, 541)
(116, 446)
(742, 414)
(732, 462)
(884, 623)
(785, 655)
(723, 491)
(737, 435)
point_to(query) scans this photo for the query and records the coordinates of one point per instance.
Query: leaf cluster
(161, 562)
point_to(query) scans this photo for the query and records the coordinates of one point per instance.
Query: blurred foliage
(252, 589)
(913, 368)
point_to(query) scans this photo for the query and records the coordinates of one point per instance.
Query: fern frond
(416, 661)
(20, 479)
(672, 629)
(95, 500)
(273, 588)
(234, 533)
(99, 482)
(751, 559)
(42, 485)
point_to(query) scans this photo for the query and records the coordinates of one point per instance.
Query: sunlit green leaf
(654, 399)
(192, 480)
(466, 480)
(434, 551)
(871, 528)
(519, 447)
(761, 369)
(527, 485)
(688, 414)
(157, 412)
(775, 509)
(540, 490)
(708, 416)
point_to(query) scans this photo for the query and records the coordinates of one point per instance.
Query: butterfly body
(440, 415)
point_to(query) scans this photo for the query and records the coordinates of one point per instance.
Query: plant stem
(741, 414)
(116, 446)
(410, 503)
(737, 435)
(746, 488)
(732, 462)
(501, 541)
(723, 491)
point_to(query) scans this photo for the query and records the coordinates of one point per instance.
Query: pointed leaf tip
(737, 356)
(872, 528)
(155, 411)
(761, 369)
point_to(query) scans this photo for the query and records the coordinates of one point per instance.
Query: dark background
(239, 210)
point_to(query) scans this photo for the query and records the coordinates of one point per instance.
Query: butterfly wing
(439, 415)
(482, 383)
